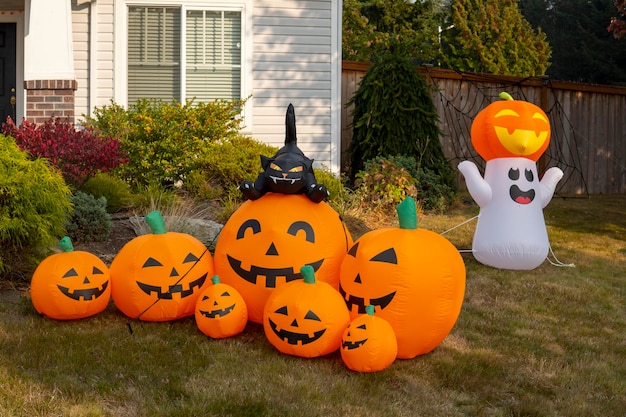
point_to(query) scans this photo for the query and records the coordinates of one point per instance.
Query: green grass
(546, 342)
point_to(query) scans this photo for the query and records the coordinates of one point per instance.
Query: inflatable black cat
(287, 172)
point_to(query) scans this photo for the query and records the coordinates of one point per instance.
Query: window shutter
(153, 53)
(213, 58)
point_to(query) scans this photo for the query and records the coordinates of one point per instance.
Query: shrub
(89, 220)
(114, 190)
(78, 154)
(337, 191)
(164, 140)
(385, 183)
(434, 194)
(399, 119)
(34, 204)
(224, 164)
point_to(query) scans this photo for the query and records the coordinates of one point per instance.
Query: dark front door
(7, 72)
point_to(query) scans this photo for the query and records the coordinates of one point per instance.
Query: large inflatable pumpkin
(511, 233)
(265, 242)
(305, 317)
(221, 311)
(159, 276)
(369, 343)
(415, 279)
(71, 284)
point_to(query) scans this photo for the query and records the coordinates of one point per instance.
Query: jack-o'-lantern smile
(172, 289)
(270, 274)
(85, 294)
(220, 312)
(294, 338)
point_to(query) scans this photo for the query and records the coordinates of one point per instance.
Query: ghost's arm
(479, 189)
(548, 183)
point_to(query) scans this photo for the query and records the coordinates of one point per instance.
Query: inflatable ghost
(511, 136)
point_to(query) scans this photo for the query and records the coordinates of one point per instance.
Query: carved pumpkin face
(368, 343)
(159, 276)
(70, 285)
(511, 128)
(305, 318)
(221, 311)
(265, 242)
(413, 277)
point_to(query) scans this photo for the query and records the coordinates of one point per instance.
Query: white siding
(295, 59)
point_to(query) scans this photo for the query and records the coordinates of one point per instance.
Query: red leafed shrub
(78, 153)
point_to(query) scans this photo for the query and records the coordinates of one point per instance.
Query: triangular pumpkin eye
(190, 258)
(151, 262)
(71, 273)
(96, 271)
(362, 326)
(282, 310)
(225, 294)
(312, 316)
(206, 297)
(353, 249)
(388, 256)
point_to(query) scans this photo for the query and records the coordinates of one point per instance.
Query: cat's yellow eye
(296, 169)
(275, 167)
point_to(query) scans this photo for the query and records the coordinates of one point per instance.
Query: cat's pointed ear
(308, 164)
(265, 162)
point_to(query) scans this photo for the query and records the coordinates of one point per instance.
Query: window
(176, 53)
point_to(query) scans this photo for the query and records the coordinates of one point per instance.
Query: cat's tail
(290, 125)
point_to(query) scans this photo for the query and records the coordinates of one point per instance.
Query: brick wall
(49, 98)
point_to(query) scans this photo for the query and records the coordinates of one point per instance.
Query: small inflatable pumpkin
(306, 317)
(159, 276)
(415, 278)
(221, 311)
(71, 284)
(265, 242)
(368, 343)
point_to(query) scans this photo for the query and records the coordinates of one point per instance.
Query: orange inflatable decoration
(369, 343)
(221, 311)
(71, 284)
(510, 129)
(415, 278)
(305, 318)
(265, 242)
(159, 276)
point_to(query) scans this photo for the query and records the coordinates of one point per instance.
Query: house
(66, 57)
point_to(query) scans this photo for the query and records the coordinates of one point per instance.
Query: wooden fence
(588, 122)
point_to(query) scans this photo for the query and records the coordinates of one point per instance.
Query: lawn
(545, 342)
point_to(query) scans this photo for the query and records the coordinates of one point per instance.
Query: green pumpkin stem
(156, 223)
(505, 96)
(369, 309)
(308, 273)
(215, 279)
(407, 214)
(66, 244)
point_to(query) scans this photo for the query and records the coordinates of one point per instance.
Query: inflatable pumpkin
(71, 284)
(306, 317)
(415, 279)
(265, 242)
(368, 343)
(220, 310)
(159, 276)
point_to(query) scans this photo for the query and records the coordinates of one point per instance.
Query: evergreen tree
(374, 27)
(394, 115)
(493, 36)
(583, 49)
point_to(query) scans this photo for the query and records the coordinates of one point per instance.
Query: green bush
(164, 140)
(394, 115)
(336, 189)
(34, 204)
(434, 194)
(114, 190)
(383, 182)
(224, 164)
(89, 220)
